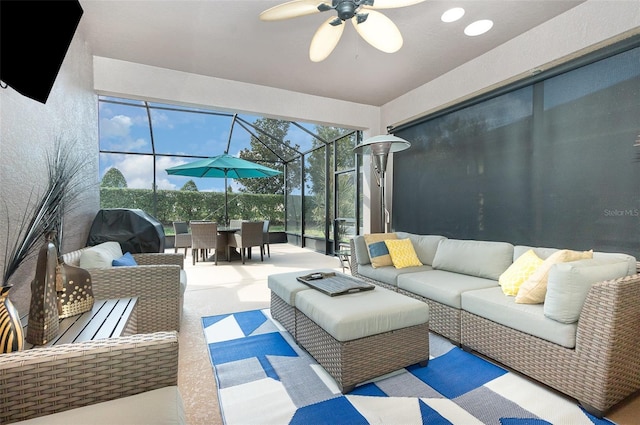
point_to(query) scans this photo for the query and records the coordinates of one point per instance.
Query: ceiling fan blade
(325, 40)
(379, 31)
(391, 4)
(291, 9)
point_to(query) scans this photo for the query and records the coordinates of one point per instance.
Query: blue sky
(126, 128)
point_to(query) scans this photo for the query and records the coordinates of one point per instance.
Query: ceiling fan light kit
(374, 27)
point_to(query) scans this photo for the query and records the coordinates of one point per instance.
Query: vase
(43, 311)
(74, 290)
(11, 335)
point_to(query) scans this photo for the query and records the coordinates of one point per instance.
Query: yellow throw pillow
(519, 272)
(378, 252)
(402, 253)
(534, 289)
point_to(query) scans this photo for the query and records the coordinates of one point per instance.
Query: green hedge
(183, 205)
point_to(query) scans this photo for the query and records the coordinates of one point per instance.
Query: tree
(113, 178)
(271, 150)
(190, 186)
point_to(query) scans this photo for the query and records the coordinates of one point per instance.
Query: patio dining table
(226, 232)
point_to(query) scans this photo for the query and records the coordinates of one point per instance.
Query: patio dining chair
(250, 235)
(204, 237)
(265, 238)
(183, 237)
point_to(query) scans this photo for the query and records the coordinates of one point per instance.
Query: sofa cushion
(402, 253)
(493, 305)
(361, 252)
(100, 256)
(388, 275)
(518, 272)
(569, 284)
(126, 260)
(160, 407)
(377, 249)
(615, 257)
(442, 286)
(424, 245)
(533, 290)
(362, 314)
(475, 258)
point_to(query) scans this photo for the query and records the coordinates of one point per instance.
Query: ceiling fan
(373, 26)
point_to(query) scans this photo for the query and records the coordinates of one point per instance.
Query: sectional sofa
(583, 339)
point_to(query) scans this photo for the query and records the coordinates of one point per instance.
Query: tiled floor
(226, 288)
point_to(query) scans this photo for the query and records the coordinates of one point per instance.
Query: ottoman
(355, 337)
(284, 288)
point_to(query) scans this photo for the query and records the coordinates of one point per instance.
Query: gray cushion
(362, 253)
(442, 286)
(569, 283)
(543, 253)
(158, 407)
(424, 245)
(475, 258)
(389, 274)
(492, 304)
(354, 316)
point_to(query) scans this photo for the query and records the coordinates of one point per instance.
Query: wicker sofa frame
(600, 372)
(155, 281)
(46, 380)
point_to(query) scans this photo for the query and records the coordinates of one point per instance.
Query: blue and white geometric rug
(263, 377)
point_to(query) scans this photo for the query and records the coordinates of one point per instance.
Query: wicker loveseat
(595, 360)
(158, 280)
(48, 380)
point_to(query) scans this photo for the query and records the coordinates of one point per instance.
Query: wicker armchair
(158, 281)
(47, 380)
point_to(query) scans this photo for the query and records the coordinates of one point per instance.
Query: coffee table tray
(334, 284)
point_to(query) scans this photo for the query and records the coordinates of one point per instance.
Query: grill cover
(135, 230)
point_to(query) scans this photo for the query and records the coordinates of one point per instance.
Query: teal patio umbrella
(226, 166)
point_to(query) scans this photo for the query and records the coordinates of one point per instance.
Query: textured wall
(28, 130)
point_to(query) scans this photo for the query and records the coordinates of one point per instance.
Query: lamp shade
(385, 143)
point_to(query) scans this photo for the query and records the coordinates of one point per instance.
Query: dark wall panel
(551, 164)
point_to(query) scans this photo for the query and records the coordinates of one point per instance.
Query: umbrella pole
(226, 202)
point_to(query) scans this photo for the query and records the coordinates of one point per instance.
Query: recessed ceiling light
(452, 15)
(478, 27)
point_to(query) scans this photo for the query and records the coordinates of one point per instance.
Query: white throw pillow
(100, 256)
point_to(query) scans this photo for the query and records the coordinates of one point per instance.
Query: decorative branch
(47, 214)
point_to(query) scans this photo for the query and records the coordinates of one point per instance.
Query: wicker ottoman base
(284, 313)
(356, 361)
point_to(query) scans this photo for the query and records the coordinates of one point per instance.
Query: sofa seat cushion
(158, 407)
(441, 286)
(359, 315)
(388, 275)
(474, 258)
(492, 304)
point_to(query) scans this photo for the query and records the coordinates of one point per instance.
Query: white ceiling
(225, 39)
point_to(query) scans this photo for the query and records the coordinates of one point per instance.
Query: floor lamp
(380, 147)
